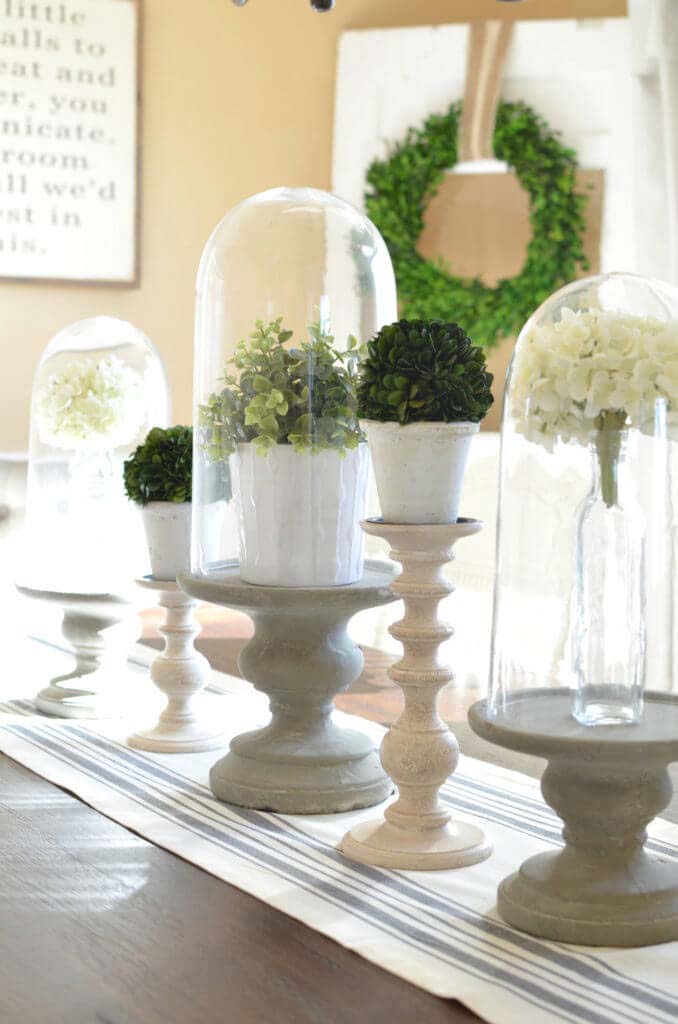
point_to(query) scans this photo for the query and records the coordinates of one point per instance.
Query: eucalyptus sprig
(304, 396)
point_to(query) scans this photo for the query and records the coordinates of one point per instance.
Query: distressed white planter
(168, 536)
(299, 515)
(419, 469)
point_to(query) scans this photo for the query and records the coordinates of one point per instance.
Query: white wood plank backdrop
(577, 74)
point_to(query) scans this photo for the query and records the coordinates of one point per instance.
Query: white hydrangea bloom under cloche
(98, 389)
(91, 404)
(589, 438)
(588, 362)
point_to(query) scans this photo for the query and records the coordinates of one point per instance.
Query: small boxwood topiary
(161, 469)
(424, 370)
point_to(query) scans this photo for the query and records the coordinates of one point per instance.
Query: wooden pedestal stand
(180, 672)
(301, 656)
(607, 783)
(419, 752)
(100, 628)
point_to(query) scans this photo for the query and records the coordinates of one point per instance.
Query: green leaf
(252, 416)
(269, 424)
(305, 396)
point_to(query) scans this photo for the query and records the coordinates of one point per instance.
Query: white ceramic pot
(168, 536)
(419, 469)
(299, 515)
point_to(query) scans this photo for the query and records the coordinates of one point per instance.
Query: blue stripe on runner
(268, 825)
(22, 707)
(531, 803)
(332, 894)
(560, 955)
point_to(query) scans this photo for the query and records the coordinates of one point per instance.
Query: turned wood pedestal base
(386, 845)
(419, 753)
(100, 628)
(606, 783)
(180, 672)
(301, 656)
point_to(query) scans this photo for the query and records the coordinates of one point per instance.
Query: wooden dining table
(101, 927)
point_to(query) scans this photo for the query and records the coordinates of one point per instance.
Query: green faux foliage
(161, 468)
(304, 395)
(419, 370)
(401, 187)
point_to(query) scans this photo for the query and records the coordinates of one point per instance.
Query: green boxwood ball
(424, 371)
(161, 469)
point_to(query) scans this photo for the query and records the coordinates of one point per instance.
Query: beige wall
(235, 101)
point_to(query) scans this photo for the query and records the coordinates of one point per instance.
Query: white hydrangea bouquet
(590, 375)
(90, 404)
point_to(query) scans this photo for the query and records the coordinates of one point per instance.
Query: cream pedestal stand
(419, 753)
(180, 672)
(100, 628)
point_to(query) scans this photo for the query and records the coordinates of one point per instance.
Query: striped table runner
(439, 931)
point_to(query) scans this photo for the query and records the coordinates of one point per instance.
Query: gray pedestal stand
(606, 783)
(100, 628)
(301, 656)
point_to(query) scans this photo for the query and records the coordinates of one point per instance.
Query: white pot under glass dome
(98, 388)
(583, 661)
(291, 282)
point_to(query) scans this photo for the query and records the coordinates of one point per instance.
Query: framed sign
(69, 125)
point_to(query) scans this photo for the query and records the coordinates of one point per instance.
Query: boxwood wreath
(400, 188)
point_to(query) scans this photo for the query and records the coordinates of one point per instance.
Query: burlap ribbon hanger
(488, 46)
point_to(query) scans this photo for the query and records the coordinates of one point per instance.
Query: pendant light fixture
(317, 5)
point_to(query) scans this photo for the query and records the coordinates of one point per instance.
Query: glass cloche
(98, 388)
(586, 564)
(291, 283)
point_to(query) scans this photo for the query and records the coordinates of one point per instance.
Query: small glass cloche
(98, 388)
(291, 283)
(586, 562)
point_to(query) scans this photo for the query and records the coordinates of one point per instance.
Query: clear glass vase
(609, 593)
(588, 623)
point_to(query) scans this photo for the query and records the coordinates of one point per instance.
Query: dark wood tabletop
(98, 926)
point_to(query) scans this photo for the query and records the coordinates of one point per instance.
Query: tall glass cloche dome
(586, 560)
(291, 283)
(98, 388)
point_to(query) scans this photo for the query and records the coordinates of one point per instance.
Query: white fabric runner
(439, 930)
